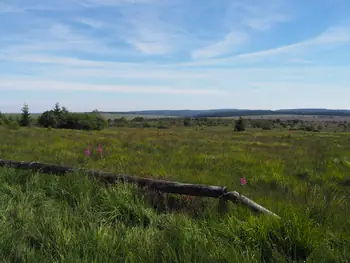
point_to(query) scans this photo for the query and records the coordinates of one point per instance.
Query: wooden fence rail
(159, 185)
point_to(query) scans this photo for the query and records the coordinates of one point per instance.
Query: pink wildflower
(87, 151)
(99, 149)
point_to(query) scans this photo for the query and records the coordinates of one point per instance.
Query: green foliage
(49, 118)
(62, 119)
(260, 123)
(77, 121)
(162, 125)
(13, 125)
(147, 125)
(25, 119)
(240, 125)
(187, 122)
(3, 119)
(138, 119)
(121, 122)
(57, 109)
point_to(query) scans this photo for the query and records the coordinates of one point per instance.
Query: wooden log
(160, 185)
(237, 197)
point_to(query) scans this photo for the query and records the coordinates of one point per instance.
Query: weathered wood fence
(159, 185)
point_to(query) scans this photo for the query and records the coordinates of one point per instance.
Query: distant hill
(171, 113)
(234, 112)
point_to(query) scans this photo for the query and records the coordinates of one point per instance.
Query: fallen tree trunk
(237, 197)
(159, 185)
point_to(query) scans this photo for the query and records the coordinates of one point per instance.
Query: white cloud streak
(264, 23)
(261, 15)
(5, 8)
(90, 22)
(28, 84)
(331, 38)
(93, 3)
(232, 40)
(243, 19)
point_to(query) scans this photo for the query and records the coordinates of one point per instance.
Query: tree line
(58, 118)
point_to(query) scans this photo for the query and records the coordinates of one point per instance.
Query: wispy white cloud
(30, 84)
(265, 22)
(150, 34)
(299, 87)
(261, 15)
(232, 40)
(243, 19)
(90, 22)
(299, 61)
(113, 2)
(5, 8)
(150, 47)
(333, 36)
(39, 5)
(58, 37)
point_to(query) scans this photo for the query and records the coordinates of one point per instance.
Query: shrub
(62, 119)
(147, 125)
(48, 118)
(13, 125)
(187, 122)
(86, 121)
(138, 119)
(240, 125)
(162, 126)
(2, 119)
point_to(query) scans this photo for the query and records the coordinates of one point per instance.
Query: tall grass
(301, 177)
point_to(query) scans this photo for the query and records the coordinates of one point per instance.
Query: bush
(240, 125)
(2, 119)
(162, 126)
(62, 119)
(187, 122)
(138, 119)
(147, 125)
(13, 125)
(87, 121)
(48, 118)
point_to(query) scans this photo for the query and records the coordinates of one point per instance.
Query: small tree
(240, 125)
(2, 118)
(57, 109)
(25, 119)
(187, 122)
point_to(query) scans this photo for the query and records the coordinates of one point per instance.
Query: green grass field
(303, 177)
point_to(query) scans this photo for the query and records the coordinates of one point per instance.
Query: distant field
(131, 116)
(254, 117)
(316, 118)
(303, 177)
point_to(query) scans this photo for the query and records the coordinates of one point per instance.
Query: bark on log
(237, 197)
(160, 185)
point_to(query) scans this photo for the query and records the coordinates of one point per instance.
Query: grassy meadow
(303, 177)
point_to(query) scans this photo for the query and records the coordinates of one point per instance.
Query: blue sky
(174, 54)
